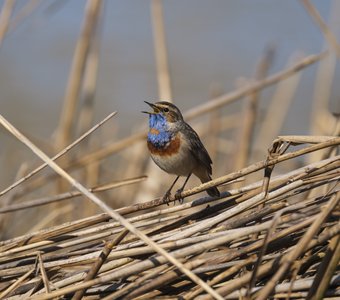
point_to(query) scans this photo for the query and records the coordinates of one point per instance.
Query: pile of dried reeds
(278, 236)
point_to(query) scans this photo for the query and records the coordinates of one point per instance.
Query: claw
(166, 198)
(178, 196)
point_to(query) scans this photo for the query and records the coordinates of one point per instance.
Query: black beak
(153, 106)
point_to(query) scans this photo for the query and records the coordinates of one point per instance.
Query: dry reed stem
(215, 125)
(67, 122)
(163, 279)
(281, 101)
(100, 261)
(247, 127)
(49, 218)
(221, 276)
(9, 199)
(248, 90)
(86, 113)
(321, 119)
(282, 290)
(26, 11)
(138, 282)
(329, 36)
(16, 284)
(59, 154)
(90, 81)
(78, 277)
(269, 234)
(105, 208)
(68, 195)
(5, 16)
(67, 117)
(325, 270)
(163, 74)
(43, 273)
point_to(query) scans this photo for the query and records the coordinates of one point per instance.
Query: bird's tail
(213, 191)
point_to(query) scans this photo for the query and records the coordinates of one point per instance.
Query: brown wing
(197, 148)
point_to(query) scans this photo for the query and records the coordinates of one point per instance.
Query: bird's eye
(165, 109)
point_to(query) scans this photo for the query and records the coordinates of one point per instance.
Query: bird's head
(164, 111)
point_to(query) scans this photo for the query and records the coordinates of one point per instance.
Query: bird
(176, 148)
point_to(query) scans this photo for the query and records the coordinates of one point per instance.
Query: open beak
(153, 106)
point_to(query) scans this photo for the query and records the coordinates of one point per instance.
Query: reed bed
(86, 227)
(282, 230)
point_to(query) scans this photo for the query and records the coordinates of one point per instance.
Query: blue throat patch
(159, 123)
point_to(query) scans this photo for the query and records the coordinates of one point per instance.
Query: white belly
(181, 163)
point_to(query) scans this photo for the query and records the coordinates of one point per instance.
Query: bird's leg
(179, 191)
(168, 192)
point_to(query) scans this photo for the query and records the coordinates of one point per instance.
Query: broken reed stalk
(43, 273)
(100, 261)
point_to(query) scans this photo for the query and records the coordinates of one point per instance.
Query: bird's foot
(178, 196)
(166, 197)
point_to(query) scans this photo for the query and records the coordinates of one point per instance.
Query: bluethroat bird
(176, 148)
